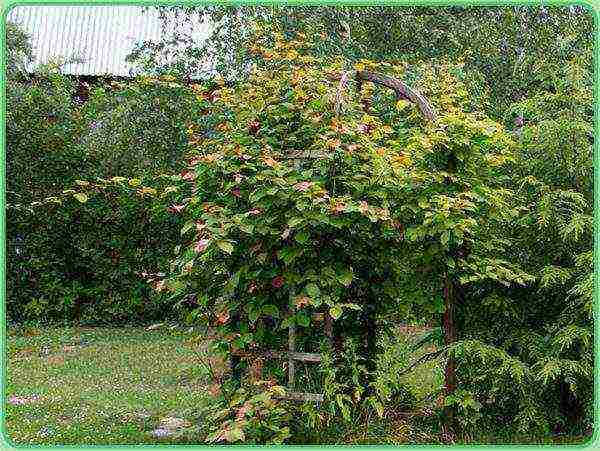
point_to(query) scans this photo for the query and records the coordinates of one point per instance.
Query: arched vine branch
(402, 90)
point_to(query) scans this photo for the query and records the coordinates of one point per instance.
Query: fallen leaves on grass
(56, 360)
(174, 423)
(154, 326)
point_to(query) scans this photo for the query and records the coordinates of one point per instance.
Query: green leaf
(445, 238)
(423, 204)
(288, 254)
(438, 304)
(328, 273)
(248, 228)
(378, 407)
(225, 246)
(302, 237)
(257, 195)
(287, 322)
(253, 314)
(312, 290)
(271, 310)
(235, 434)
(344, 276)
(294, 222)
(187, 227)
(302, 319)
(335, 311)
(81, 197)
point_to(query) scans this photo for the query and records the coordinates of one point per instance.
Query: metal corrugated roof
(102, 36)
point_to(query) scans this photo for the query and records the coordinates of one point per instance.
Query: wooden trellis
(292, 356)
(402, 91)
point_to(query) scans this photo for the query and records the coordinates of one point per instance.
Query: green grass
(116, 385)
(102, 386)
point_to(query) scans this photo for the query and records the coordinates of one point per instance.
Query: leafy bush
(79, 261)
(305, 204)
(87, 255)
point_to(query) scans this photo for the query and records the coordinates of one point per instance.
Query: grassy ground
(107, 386)
(121, 385)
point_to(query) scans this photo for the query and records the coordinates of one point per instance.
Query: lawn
(131, 385)
(101, 385)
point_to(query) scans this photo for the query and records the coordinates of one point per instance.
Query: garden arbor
(313, 209)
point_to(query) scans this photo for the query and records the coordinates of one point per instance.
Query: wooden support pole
(235, 361)
(291, 361)
(402, 90)
(449, 329)
(295, 396)
(329, 328)
(301, 356)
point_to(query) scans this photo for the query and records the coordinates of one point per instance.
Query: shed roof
(100, 36)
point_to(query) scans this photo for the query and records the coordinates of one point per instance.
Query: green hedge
(85, 263)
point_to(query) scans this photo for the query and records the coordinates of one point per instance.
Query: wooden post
(235, 361)
(292, 350)
(449, 329)
(369, 336)
(291, 356)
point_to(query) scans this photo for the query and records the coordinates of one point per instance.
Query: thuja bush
(41, 132)
(137, 127)
(550, 342)
(321, 196)
(134, 128)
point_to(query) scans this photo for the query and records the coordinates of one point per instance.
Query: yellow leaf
(135, 182)
(169, 189)
(146, 190)
(225, 246)
(81, 197)
(82, 183)
(401, 104)
(401, 160)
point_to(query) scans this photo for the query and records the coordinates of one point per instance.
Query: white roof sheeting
(101, 36)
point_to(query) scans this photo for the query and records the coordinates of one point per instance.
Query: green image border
(593, 6)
